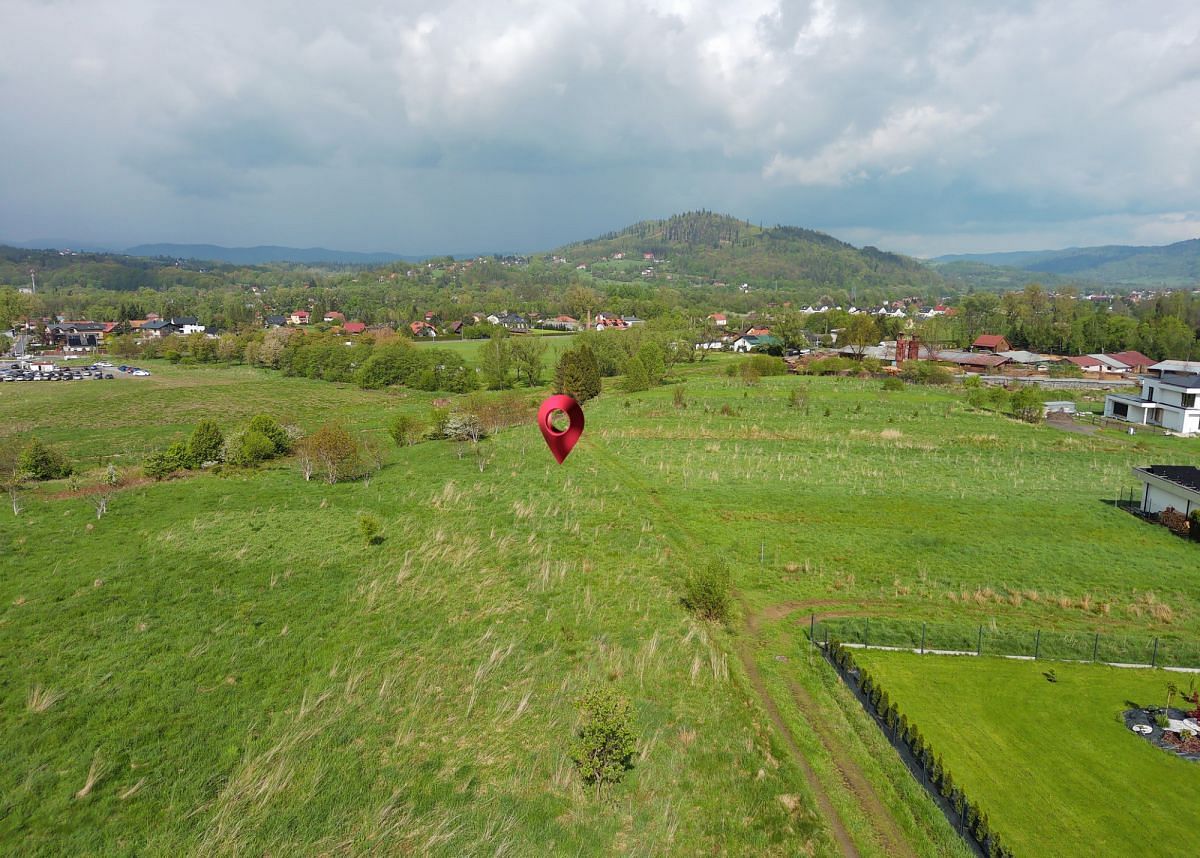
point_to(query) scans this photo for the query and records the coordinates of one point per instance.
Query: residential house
(456, 326)
(561, 323)
(1169, 486)
(422, 329)
(992, 343)
(271, 321)
(1135, 360)
(299, 317)
(718, 319)
(79, 336)
(513, 322)
(354, 327)
(758, 331)
(1170, 401)
(630, 321)
(157, 328)
(334, 316)
(1174, 367)
(749, 342)
(1099, 363)
(608, 321)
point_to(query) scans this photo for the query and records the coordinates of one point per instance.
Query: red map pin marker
(561, 441)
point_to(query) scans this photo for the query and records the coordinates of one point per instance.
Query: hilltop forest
(679, 270)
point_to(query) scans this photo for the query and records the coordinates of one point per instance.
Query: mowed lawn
(555, 343)
(1052, 763)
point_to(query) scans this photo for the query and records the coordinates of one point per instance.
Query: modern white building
(1171, 402)
(1175, 486)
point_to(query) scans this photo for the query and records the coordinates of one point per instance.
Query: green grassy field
(556, 344)
(242, 673)
(1053, 763)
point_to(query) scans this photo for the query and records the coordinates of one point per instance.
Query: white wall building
(1171, 402)
(1176, 486)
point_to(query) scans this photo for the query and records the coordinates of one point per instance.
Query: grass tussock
(40, 699)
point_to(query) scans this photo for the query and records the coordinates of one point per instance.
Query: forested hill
(724, 248)
(1168, 265)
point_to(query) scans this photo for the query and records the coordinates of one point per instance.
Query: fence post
(867, 632)
(1095, 646)
(1037, 644)
(812, 629)
(762, 552)
(1154, 657)
(979, 643)
(922, 639)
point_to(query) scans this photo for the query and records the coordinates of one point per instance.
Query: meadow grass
(225, 665)
(1052, 763)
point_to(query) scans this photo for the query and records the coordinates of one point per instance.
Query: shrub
(405, 430)
(1194, 529)
(707, 589)
(206, 444)
(604, 747)
(370, 528)
(42, 462)
(1027, 404)
(250, 449)
(680, 397)
(750, 374)
(437, 423)
(926, 372)
(798, 397)
(578, 374)
(269, 427)
(768, 365)
(334, 452)
(893, 383)
(636, 375)
(162, 464)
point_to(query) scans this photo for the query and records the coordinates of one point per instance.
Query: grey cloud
(911, 122)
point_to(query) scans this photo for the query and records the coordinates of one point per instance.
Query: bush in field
(607, 739)
(405, 430)
(207, 444)
(250, 448)
(926, 372)
(768, 365)
(332, 452)
(162, 464)
(39, 461)
(707, 591)
(370, 528)
(269, 427)
(636, 376)
(578, 374)
(893, 383)
(1027, 404)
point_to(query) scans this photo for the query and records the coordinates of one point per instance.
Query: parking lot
(12, 371)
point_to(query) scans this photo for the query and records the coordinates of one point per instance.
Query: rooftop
(1186, 476)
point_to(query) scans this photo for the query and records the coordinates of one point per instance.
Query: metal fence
(1165, 651)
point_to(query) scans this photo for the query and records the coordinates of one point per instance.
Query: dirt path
(894, 841)
(852, 776)
(681, 542)
(840, 834)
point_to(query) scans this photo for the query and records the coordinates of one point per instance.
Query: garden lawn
(1052, 763)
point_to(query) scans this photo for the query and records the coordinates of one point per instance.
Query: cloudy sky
(478, 125)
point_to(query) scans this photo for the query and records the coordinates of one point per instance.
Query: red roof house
(334, 316)
(1135, 360)
(354, 327)
(991, 343)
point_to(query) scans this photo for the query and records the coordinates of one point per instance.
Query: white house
(1171, 402)
(1176, 486)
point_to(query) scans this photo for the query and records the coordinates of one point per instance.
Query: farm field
(1052, 763)
(241, 672)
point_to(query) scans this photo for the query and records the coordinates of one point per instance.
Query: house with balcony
(1170, 401)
